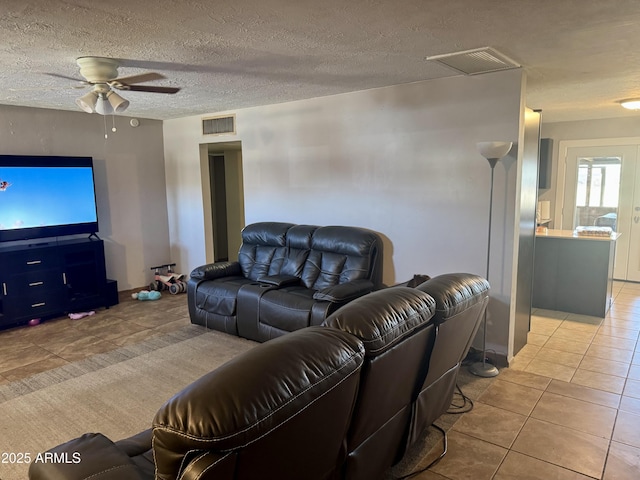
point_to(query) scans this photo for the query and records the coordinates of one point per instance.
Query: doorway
(223, 199)
(602, 188)
(219, 207)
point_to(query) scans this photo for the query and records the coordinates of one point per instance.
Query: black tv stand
(94, 234)
(35, 245)
(52, 279)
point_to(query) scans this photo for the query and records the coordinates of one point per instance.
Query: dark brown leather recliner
(394, 326)
(461, 300)
(342, 400)
(280, 410)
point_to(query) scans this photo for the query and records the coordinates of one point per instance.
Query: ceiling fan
(102, 74)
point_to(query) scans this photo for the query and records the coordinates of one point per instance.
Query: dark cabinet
(544, 167)
(51, 279)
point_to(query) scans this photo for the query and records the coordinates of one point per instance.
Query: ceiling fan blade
(141, 88)
(143, 77)
(33, 89)
(79, 80)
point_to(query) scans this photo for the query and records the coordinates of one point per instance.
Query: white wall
(399, 160)
(129, 173)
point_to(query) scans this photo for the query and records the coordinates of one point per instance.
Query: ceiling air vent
(219, 125)
(476, 61)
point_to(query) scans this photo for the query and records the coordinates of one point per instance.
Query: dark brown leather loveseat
(337, 401)
(287, 277)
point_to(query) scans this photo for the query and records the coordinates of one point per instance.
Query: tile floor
(568, 407)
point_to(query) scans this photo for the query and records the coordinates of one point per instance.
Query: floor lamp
(493, 152)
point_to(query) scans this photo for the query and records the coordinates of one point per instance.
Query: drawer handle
(36, 284)
(4, 289)
(35, 305)
(34, 262)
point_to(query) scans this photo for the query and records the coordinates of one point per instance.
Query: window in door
(597, 191)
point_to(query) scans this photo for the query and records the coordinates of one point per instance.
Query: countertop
(551, 233)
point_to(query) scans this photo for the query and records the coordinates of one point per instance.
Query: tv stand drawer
(29, 260)
(40, 280)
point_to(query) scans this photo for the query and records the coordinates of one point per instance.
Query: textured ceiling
(580, 56)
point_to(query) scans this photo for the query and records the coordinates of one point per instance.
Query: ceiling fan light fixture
(117, 103)
(630, 103)
(103, 107)
(88, 102)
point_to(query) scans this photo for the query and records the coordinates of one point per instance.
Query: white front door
(602, 187)
(633, 263)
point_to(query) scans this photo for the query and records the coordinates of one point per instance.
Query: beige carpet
(115, 393)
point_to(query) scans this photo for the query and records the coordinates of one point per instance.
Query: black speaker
(111, 293)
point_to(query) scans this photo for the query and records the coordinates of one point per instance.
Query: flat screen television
(46, 196)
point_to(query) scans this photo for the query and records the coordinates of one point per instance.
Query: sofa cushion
(298, 247)
(455, 293)
(263, 249)
(339, 255)
(219, 296)
(287, 308)
(384, 318)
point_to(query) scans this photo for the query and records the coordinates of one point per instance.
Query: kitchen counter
(551, 233)
(573, 273)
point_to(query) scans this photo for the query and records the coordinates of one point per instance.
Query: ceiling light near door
(631, 103)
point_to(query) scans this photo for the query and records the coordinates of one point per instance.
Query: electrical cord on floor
(444, 452)
(454, 409)
(467, 403)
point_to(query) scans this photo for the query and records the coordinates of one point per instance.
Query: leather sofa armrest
(216, 270)
(137, 444)
(91, 456)
(280, 280)
(344, 292)
(215, 465)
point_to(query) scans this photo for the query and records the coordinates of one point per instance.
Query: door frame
(234, 186)
(563, 151)
(563, 148)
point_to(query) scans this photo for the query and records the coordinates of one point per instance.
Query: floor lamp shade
(493, 152)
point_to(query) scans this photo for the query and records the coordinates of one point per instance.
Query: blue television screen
(46, 197)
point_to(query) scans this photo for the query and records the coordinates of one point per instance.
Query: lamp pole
(493, 152)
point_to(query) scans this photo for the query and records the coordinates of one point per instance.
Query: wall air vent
(219, 125)
(476, 61)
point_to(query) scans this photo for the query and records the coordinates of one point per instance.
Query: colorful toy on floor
(147, 295)
(77, 316)
(166, 279)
